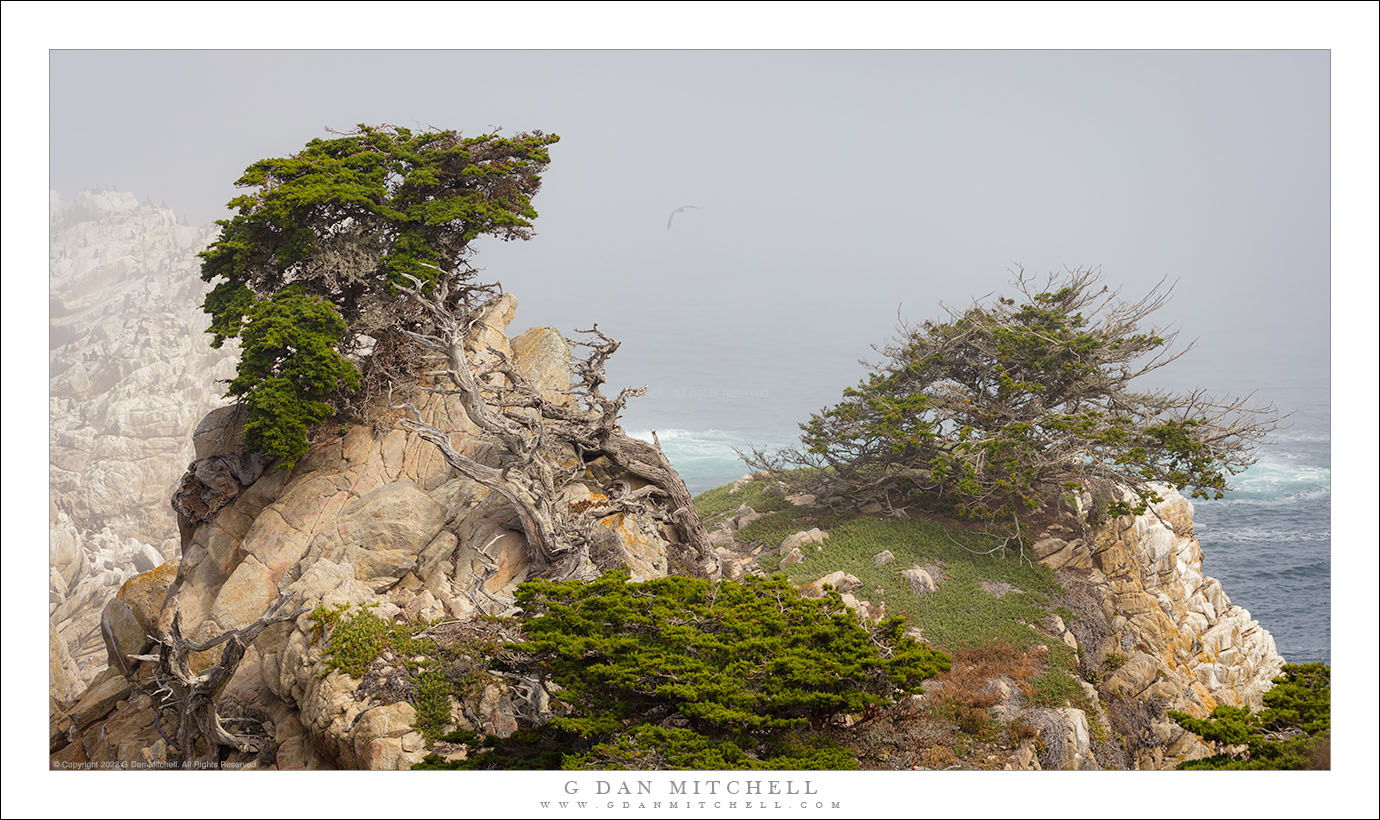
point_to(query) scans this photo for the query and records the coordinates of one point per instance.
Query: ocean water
(1269, 540)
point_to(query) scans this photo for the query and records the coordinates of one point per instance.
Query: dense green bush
(686, 673)
(328, 235)
(288, 363)
(1291, 731)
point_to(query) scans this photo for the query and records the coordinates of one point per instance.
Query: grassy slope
(958, 614)
(958, 617)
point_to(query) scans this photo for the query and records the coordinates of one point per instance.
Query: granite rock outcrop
(1164, 632)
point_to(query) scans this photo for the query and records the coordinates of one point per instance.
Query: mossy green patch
(358, 638)
(355, 639)
(959, 612)
(983, 598)
(771, 529)
(1055, 688)
(719, 503)
(432, 700)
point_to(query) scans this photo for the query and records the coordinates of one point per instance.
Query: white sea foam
(1298, 436)
(695, 443)
(1263, 498)
(706, 444)
(1242, 533)
(1282, 473)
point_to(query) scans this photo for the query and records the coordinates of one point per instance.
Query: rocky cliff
(1176, 641)
(130, 376)
(371, 516)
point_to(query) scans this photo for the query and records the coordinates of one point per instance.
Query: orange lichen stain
(627, 528)
(1208, 701)
(594, 500)
(153, 576)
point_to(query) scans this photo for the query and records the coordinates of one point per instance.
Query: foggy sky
(835, 189)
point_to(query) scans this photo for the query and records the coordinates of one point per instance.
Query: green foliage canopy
(288, 363)
(347, 222)
(1013, 404)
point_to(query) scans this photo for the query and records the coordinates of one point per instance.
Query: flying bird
(676, 211)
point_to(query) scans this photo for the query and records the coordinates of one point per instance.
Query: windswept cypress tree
(1016, 405)
(310, 271)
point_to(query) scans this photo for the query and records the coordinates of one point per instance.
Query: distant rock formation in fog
(130, 375)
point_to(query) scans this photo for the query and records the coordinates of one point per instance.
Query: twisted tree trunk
(201, 734)
(503, 403)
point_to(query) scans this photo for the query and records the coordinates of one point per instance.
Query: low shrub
(682, 673)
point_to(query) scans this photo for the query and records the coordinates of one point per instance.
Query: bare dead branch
(536, 434)
(190, 696)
